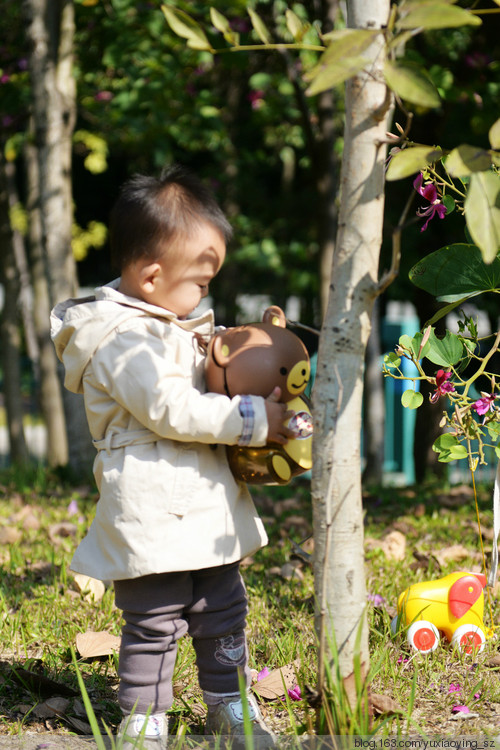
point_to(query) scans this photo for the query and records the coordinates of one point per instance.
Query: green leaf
(464, 160)
(445, 442)
(494, 134)
(497, 451)
(419, 351)
(412, 399)
(392, 360)
(444, 352)
(449, 448)
(335, 73)
(411, 83)
(295, 26)
(408, 161)
(493, 430)
(222, 24)
(449, 204)
(405, 341)
(437, 16)
(259, 26)
(456, 272)
(413, 344)
(482, 213)
(187, 28)
(458, 452)
(342, 59)
(346, 43)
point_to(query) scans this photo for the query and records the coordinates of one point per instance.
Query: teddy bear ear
(275, 316)
(220, 351)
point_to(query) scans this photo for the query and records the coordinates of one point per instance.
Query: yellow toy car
(452, 605)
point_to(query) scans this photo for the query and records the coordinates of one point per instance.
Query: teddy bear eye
(283, 371)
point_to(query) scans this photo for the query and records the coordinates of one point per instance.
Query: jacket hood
(78, 326)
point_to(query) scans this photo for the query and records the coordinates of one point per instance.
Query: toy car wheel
(423, 636)
(469, 639)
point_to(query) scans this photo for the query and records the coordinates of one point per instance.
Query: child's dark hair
(151, 211)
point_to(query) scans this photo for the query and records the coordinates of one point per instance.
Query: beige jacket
(168, 500)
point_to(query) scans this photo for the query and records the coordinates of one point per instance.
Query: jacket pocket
(183, 488)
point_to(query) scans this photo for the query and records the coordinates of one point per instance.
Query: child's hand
(277, 415)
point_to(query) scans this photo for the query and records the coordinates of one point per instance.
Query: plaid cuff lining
(247, 412)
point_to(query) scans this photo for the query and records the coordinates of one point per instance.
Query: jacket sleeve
(150, 382)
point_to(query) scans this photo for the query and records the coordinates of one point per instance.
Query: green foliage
(469, 418)
(482, 212)
(94, 235)
(97, 150)
(435, 15)
(411, 83)
(412, 399)
(408, 161)
(456, 273)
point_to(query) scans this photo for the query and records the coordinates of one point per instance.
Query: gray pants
(209, 604)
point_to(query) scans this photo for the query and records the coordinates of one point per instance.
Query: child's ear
(148, 276)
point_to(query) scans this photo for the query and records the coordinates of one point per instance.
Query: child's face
(184, 278)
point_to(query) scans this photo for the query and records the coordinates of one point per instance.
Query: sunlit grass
(42, 612)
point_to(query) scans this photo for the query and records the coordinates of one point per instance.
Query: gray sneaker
(142, 732)
(227, 718)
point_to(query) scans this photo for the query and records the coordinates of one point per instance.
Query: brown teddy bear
(253, 359)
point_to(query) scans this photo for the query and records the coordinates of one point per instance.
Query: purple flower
(376, 599)
(442, 385)
(429, 192)
(263, 673)
(484, 404)
(460, 710)
(256, 99)
(72, 508)
(454, 688)
(295, 693)
(103, 96)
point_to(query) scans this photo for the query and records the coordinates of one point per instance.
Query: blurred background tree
(243, 123)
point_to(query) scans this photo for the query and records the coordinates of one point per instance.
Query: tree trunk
(10, 329)
(49, 386)
(338, 392)
(51, 32)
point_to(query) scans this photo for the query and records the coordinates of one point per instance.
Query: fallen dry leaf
(394, 545)
(383, 704)
(494, 661)
(291, 570)
(9, 535)
(277, 682)
(58, 531)
(78, 725)
(51, 707)
(454, 553)
(90, 588)
(93, 644)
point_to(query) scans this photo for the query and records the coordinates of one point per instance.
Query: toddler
(171, 524)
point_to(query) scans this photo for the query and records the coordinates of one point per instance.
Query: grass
(42, 518)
